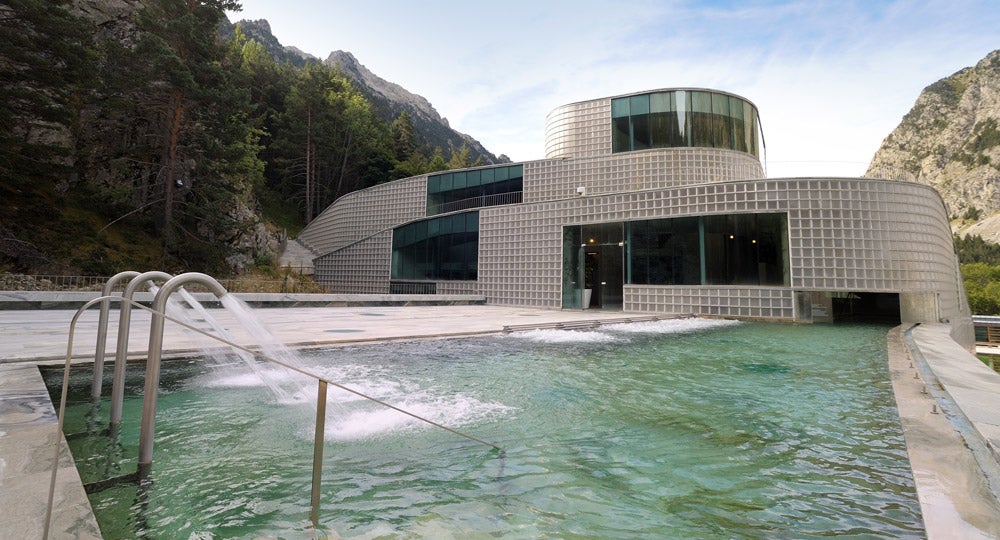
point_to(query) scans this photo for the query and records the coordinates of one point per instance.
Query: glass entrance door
(572, 268)
(593, 269)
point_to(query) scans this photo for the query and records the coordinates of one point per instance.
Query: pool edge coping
(953, 471)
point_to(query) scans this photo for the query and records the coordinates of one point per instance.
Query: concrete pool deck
(957, 488)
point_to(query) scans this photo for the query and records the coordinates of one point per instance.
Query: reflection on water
(673, 429)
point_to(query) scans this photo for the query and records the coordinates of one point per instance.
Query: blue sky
(831, 78)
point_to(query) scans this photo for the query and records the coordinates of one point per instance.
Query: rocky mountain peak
(391, 99)
(349, 65)
(950, 139)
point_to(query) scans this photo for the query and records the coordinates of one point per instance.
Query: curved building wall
(360, 268)
(555, 179)
(360, 214)
(579, 130)
(844, 235)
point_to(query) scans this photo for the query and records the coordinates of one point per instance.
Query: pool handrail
(102, 331)
(121, 350)
(155, 352)
(320, 421)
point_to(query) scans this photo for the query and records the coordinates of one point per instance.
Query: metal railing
(513, 197)
(150, 390)
(290, 284)
(412, 287)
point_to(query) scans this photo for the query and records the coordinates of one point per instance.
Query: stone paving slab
(971, 386)
(955, 498)
(42, 335)
(28, 433)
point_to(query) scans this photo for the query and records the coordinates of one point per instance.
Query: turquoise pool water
(678, 429)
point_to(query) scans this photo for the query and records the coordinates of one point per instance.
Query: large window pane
(619, 108)
(639, 111)
(621, 134)
(445, 248)
(722, 129)
(663, 124)
(664, 252)
(572, 273)
(638, 105)
(683, 118)
(750, 118)
(701, 119)
(736, 110)
(641, 138)
(746, 249)
(773, 249)
(472, 189)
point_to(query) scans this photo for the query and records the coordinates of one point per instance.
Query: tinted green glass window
(738, 249)
(722, 122)
(701, 119)
(462, 190)
(641, 136)
(638, 105)
(621, 134)
(664, 252)
(619, 108)
(662, 102)
(750, 119)
(445, 248)
(683, 118)
(736, 110)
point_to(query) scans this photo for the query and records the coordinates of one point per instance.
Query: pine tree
(404, 137)
(171, 130)
(44, 68)
(437, 162)
(461, 158)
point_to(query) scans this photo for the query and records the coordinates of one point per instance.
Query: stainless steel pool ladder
(102, 331)
(152, 384)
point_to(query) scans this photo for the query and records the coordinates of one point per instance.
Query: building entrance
(593, 269)
(868, 307)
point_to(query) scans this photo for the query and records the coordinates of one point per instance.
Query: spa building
(653, 202)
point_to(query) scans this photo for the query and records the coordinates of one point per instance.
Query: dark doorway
(867, 307)
(602, 247)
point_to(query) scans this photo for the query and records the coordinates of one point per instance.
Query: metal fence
(482, 201)
(287, 284)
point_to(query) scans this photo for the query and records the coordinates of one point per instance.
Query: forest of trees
(157, 145)
(980, 262)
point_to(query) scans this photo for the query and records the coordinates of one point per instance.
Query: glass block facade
(686, 224)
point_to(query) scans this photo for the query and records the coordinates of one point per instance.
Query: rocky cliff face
(260, 31)
(951, 140)
(391, 99)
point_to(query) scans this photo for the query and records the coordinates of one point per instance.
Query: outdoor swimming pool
(672, 429)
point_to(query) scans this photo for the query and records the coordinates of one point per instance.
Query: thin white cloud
(831, 79)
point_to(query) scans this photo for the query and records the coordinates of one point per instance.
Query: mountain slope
(391, 99)
(388, 98)
(951, 140)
